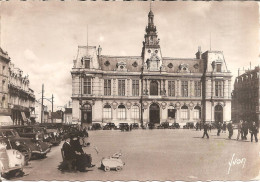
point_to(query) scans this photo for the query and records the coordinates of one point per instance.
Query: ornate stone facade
(150, 87)
(21, 96)
(245, 97)
(4, 66)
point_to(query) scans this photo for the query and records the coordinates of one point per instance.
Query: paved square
(160, 155)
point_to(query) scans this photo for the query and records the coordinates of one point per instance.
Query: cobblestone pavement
(159, 155)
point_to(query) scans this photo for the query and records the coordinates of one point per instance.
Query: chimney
(198, 54)
(99, 50)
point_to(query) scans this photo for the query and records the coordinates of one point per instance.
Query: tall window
(184, 112)
(171, 88)
(121, 87)
(197, 112)
(184, 88)
(107, 87)
(87, 63)
(153, 88)
(107, 112)
(218, 89)
(135, 113)
(87, 85)
(197, 88)
(121, 112)
(218, 67)
(135, 87)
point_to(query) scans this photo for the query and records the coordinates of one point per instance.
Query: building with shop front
(245, 96)
(150, 87)
(5, 110)
(21, 96)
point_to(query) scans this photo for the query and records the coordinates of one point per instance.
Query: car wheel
(107, 168)
(118, 168)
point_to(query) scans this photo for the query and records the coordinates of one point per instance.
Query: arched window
(121, 112)
(135, 112)
(197, 112)
(153, 88)
(107, 112)
(171, 112)
(184, 112)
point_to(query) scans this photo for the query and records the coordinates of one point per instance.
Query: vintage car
(163, 125)
(38, 148)
(11, 162)
(39, 133)
(6, 137)
(124, 127)
(134, 125)
(52, 133)
(175, 126)
(96, 126)
(151, 125)
(189, 125)
(109, 126)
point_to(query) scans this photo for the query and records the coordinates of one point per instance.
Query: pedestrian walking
(197, 126)
(230, 129)
(205, 127)
(239, 129)
(254, 131)
(245, 128)
(219, 128)
(210, 127)
(224, 127)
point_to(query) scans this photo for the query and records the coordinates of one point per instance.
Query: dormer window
(218, 67)
(87, 63)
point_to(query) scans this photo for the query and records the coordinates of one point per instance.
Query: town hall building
(150, 87)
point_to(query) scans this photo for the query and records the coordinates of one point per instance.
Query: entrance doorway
(218, 113)
(86, 114)
(154, 113)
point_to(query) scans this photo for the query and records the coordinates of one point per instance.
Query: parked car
(11, 142)
(163, 125)
(109, 126)
(151, 125)
(175, 126)
(124, 127)
(38, 147)
(134, 125)
(39, 133)
(11, 161)
(189, 125)
(96, 126)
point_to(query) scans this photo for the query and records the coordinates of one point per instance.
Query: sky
(42, 37)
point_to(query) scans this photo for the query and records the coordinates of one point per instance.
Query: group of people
(243, 129)
(74, 158)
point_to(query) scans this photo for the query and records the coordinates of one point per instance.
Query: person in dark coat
(224, 127)
(245, 128)
(82, 160)
(219, 128)
(197, 126)
(254, 131)
(239, 130)
(230, 129)
(69, 154)
(205, 127)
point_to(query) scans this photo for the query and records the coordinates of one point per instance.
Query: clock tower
(151, 52)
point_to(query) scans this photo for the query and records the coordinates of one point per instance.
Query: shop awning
(23, 116)
(6, 121)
